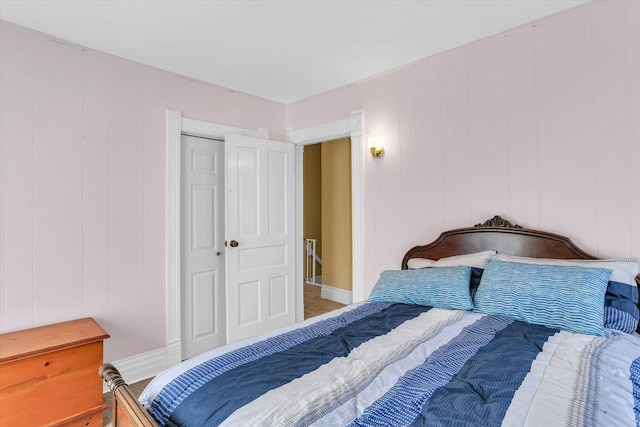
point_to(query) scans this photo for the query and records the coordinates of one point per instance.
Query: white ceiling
(280, 50)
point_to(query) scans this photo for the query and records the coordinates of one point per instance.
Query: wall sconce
(375, 146)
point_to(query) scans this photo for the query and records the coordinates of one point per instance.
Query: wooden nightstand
(49, 375)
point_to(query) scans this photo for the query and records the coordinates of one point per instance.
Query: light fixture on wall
(375, 146)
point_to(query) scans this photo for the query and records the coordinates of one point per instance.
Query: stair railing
(310, 261)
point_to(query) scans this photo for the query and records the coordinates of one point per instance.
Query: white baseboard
(142, 366)
(336, 294)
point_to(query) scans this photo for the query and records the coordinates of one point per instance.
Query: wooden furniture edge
(81, 417)
(126, 411)
(90, 332)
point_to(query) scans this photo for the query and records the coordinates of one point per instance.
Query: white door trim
(176, 126)
(352, 127)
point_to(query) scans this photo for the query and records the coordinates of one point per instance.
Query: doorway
(327, 217)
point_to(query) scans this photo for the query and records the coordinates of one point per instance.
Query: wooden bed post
(126, 411)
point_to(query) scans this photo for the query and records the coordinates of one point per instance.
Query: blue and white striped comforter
(377, 364)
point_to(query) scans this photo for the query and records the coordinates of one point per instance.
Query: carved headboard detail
(497, 221)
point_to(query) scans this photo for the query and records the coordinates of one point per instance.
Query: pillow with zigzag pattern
(564, 297)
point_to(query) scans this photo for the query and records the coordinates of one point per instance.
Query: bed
(487, 325)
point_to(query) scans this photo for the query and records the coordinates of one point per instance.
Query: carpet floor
(314, 305)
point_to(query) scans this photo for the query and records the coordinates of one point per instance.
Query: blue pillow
(621, 300)
(569, 298)
(442, 287)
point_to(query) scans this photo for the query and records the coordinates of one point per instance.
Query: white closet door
(260, 232)
(202, 246)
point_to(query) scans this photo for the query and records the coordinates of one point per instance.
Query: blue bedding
(377, 364)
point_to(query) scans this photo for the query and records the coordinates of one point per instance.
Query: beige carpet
(313, 306)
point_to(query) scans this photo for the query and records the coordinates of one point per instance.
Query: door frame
(351, 127)
(176, 126)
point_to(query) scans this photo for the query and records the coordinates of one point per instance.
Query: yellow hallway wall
(336, 213)
(312, 182)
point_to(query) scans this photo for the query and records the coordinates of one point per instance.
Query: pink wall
(540, 124)
(82, 202)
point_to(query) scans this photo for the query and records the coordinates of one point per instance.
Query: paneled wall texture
(83, 184)
(540, 124)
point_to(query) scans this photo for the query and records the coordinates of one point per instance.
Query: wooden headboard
(502, 236)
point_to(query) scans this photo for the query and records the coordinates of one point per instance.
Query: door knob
(234, 244)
